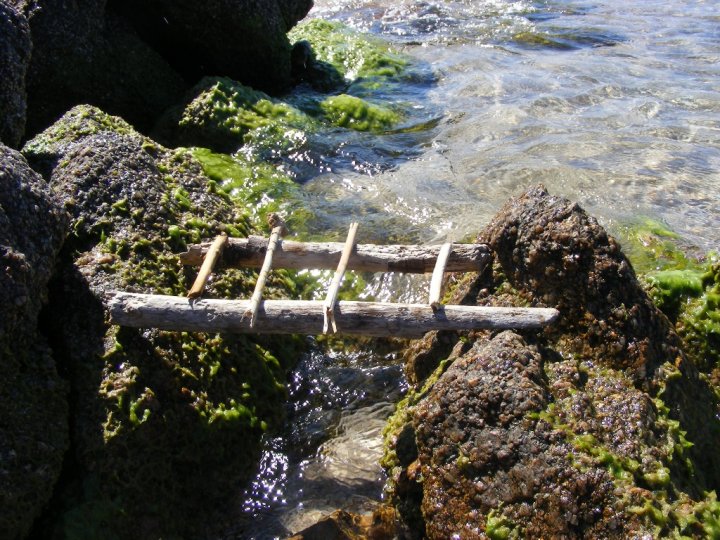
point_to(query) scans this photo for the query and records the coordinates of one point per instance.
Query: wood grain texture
(306, 316)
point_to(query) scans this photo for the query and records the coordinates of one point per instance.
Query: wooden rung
(329, 306)
(304, 316)
(211, 258)
(436, 282)
(250, 253)
(278, 230)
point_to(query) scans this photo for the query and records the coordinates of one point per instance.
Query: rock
(167, 425)
(82, 54)
(241, 39)
(555, 253)
(488, 465)
(603, 428)
(343, 525)
(15, 48)
(33, 397)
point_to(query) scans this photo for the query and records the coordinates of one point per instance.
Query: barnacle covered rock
(601, 410)
(33, 397)
(167, 424)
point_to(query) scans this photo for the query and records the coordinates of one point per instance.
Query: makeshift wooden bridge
(195, 313)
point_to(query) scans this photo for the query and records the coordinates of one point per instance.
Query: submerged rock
(15, 48)
(33, 397)
(167, 425)
(598, 427)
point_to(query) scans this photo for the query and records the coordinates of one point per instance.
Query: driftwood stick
(329, 311)
(436, 282)
(305, 316)
(211, 257)
(250, 253)
(262, 276)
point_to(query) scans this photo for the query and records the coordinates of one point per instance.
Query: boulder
(15, 48)
(559, 256)
(598, 426)
(82, 54)
(167, 425)
(241, 39)
(490, 466)
(33, 397)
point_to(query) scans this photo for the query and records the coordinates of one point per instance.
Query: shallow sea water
(612, 104)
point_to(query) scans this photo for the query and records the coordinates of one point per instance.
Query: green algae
(358, 114)
(685, 289)
(354, 55)
(691, 299)
(499, 527)
(225, 112)
(258, 187)
(652, 246)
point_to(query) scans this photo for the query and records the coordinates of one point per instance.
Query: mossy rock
(353, 55)
(358, 114)
(221, 113)
(691, 298)
(634, 425)
(167, 424)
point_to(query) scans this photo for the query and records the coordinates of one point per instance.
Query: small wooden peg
(436, 282)
(329, 306)
(279, 230)
(208, 264)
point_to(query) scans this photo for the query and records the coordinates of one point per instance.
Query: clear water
(614, 104)
(327, 456)
(611, 103)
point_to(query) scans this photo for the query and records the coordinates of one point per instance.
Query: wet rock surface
(600, 427)
(33, 397)
(15, 48)
(488, 464)
(166, 426)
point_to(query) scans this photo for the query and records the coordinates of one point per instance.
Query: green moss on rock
(354, 55)
(226, 109)
(652, 246)
(168, 424)
(257, 187)
(358, 114)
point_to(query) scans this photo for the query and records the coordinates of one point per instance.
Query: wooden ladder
(194, 313)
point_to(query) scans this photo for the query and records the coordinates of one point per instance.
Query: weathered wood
(250, 252)
(438, 273)
(306, 316)
(262, 276)
(329, 317)
(208, 264)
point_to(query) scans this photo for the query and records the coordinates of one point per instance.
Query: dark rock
(480, 451)
(15, 48)
(241, 39)
(83, 55)
(605, 429)
(558, 256)
(33, 398)
(167, 425)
